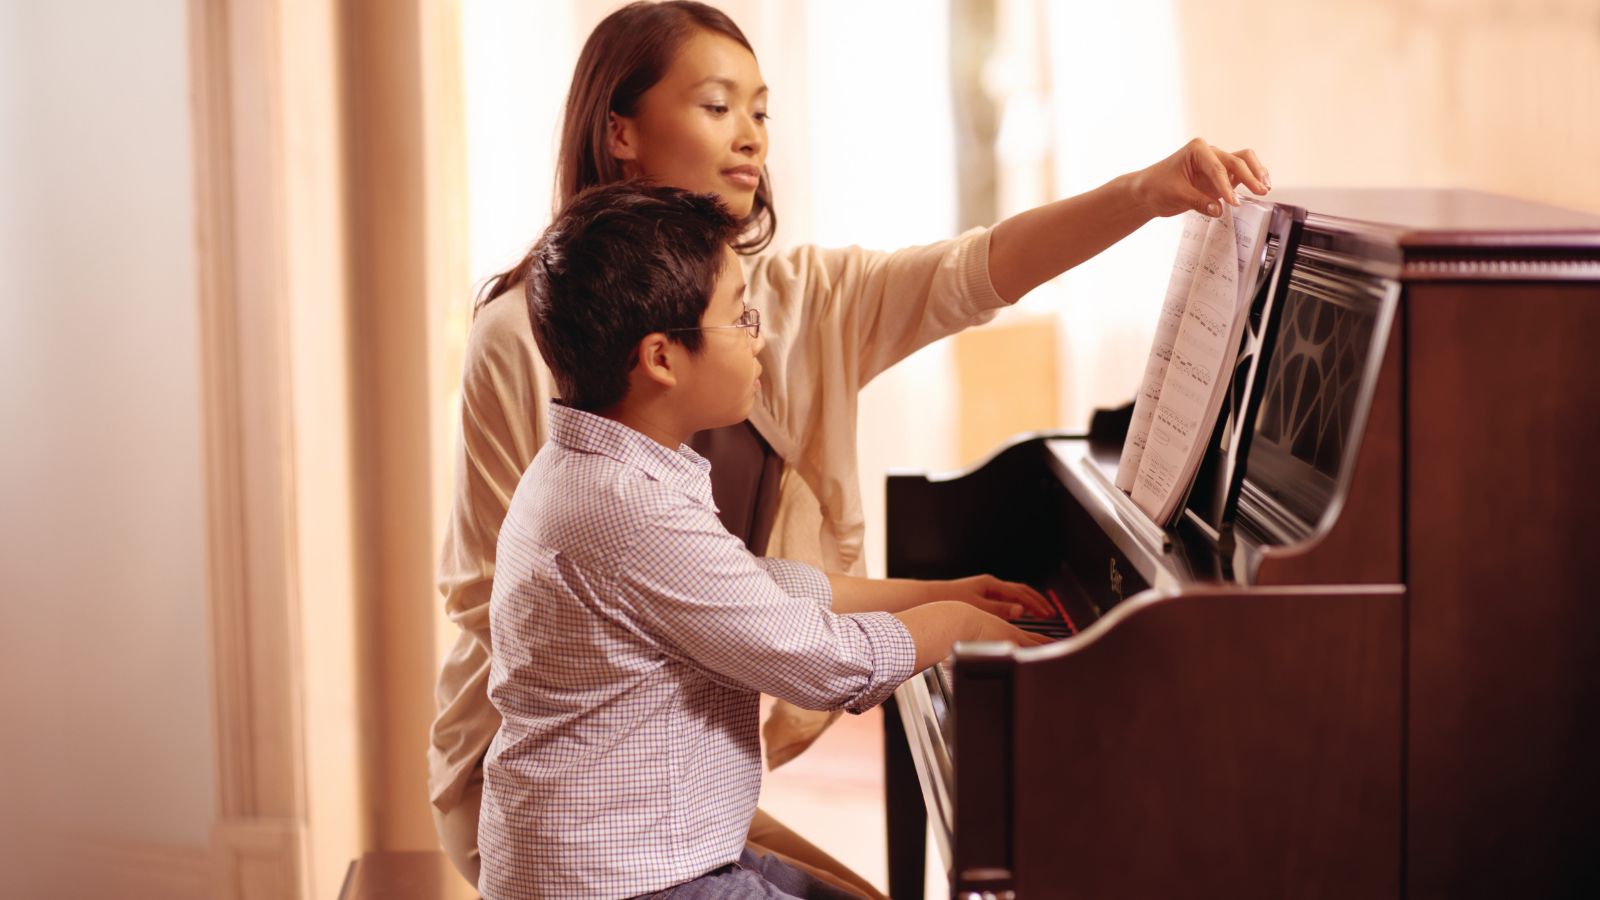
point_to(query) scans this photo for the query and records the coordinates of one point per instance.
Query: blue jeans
(753, 876)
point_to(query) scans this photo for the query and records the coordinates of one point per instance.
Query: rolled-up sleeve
(892, 643)
(694, 591)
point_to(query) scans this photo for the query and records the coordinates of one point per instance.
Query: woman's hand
(1035, 246)
(1006, 599)
(1197, 177)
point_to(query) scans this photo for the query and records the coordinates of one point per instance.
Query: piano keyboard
(1075, 609)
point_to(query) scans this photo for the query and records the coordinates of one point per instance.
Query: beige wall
(108, 726)
(1486, 94)
(1500, 96)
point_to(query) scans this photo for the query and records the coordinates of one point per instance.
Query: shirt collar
(586, 432)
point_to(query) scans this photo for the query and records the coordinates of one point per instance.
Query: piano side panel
(984, 839)
(1502, 499)
(1216, 745)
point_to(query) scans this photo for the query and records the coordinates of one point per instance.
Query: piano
(1364, 663)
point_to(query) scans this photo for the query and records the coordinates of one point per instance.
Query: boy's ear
(656, 361)
(622, 138)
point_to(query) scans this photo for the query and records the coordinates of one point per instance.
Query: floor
(832, 794)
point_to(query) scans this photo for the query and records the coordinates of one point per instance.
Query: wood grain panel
(1504, 426)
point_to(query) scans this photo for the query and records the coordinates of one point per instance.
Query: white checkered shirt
(632, 636)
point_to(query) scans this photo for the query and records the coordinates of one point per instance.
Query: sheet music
(1155, 368)
(1250, 233)
(1208, 299)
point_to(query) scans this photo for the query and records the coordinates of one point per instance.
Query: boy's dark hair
(622, 260)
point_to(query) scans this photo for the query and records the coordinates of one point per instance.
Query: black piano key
(1050, 627)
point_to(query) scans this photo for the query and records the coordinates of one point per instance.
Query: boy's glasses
(750, 320)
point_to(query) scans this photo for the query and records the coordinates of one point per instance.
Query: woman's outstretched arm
(1033, 247)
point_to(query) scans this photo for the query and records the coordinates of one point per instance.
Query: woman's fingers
(1200, 177)
(1200, 203)
(1211, 176)
(1256, 168)
(1242, 172)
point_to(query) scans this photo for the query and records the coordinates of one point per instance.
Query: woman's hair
(625, 55)
(621, 261)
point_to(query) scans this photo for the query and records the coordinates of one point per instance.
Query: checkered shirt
(632, 637)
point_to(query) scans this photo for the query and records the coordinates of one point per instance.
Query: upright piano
(1365, 662)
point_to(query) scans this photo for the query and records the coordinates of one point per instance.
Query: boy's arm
(1006, 599)
(798, 579)
(692, 590)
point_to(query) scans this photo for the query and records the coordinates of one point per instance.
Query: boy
(632, 633)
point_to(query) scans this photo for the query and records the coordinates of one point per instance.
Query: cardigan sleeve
(834, 320)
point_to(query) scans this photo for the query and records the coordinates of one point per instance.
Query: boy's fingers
(1037, 599)
(1002, 609)
(1022, 594)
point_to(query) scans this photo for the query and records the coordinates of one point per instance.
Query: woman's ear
(622, 138)
(656, 361)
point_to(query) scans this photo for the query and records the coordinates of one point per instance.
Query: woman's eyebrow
(728, 83)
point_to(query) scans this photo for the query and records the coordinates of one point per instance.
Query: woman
(672, 92)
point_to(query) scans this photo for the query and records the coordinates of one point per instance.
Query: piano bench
(405, 875)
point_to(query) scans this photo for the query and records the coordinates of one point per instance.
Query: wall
(1486, 94)
(108, 732)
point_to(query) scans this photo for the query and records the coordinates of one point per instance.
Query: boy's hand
(1006, 599)
(994, 629)
(936, 627)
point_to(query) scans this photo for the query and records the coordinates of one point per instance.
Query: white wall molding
(260, 859)
(329, 177)
(241, 195)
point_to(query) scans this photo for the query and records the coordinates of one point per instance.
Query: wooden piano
(1366, 660)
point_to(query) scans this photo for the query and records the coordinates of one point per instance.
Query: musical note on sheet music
(1156, 478)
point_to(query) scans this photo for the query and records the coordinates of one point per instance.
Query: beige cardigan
(834, 319)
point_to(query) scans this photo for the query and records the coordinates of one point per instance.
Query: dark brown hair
(626, 54)
(621, 261)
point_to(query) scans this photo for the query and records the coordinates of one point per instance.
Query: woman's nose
(749, 138)
(759, 344)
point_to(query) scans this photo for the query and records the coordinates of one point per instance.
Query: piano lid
(1425, 218)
